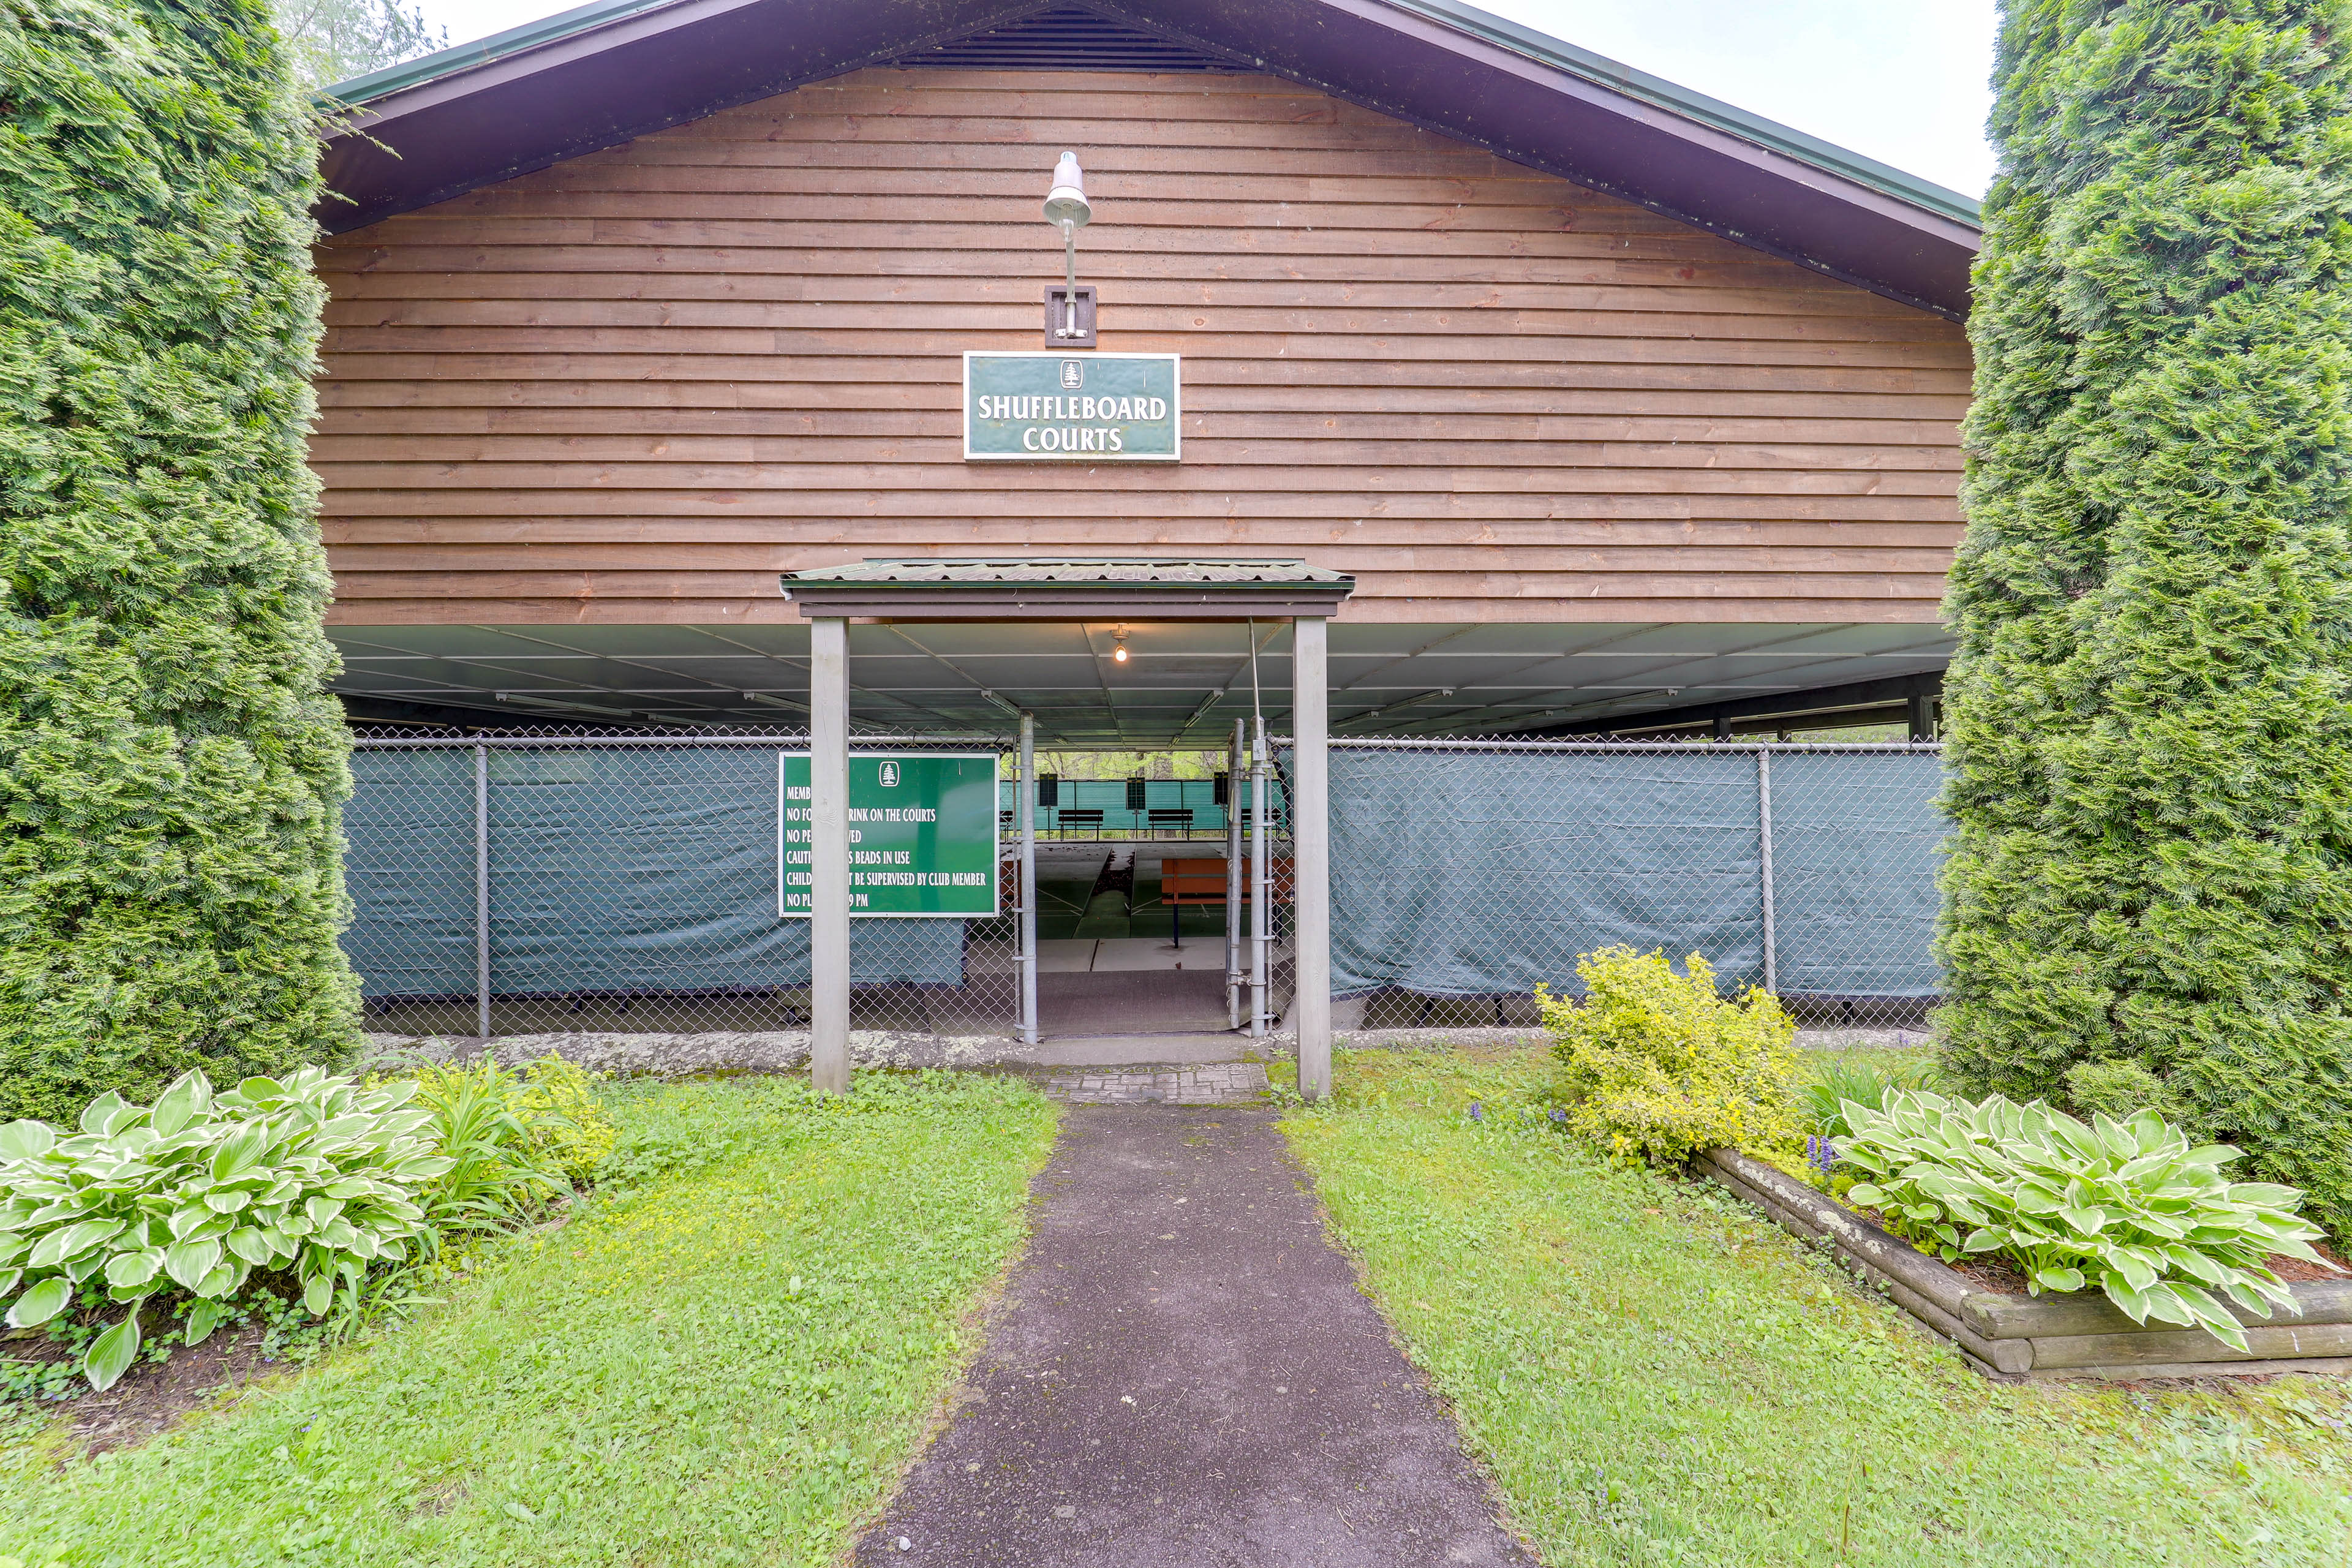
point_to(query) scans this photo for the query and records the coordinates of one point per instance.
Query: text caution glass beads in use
(923, 833)
(1072, 407)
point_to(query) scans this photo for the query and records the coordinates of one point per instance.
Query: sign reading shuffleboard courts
(1082, 408)
(923, 833)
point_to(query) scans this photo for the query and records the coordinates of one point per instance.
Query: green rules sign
(923, 833)
(1071, 407)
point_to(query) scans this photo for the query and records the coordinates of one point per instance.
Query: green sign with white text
(1072, 407)
(923, 833)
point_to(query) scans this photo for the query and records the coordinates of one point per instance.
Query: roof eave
(1745, 178)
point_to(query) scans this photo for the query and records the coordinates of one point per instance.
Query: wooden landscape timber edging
(2052, 1336)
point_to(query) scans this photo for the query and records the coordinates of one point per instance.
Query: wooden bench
(1203, 881)
(1185, 882)
(1091, 819)
(1192, 881)
(1175, 818)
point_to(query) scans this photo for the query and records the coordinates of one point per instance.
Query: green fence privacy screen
(1459, 872)
(636, 870)
(1857, 844)
(1458, 869)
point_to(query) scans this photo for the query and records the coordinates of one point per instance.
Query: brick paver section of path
(1184, 1375)
(1209, 1083)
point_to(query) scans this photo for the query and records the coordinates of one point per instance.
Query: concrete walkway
(1184, 1375)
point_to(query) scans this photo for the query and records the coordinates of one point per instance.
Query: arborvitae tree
(2152, 739)
(170, 765)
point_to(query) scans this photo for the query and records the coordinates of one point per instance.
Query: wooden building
(1621, 408)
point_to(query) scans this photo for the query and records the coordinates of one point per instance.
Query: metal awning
(1069, 588)
(1183, 685)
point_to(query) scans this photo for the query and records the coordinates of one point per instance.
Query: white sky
(1902, 81)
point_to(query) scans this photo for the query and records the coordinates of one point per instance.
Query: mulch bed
(151, 1397)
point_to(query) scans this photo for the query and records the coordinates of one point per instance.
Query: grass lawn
(1654, 1375)
(726, 1363)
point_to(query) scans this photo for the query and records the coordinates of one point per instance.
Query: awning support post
(829, 855)
(1310, 850)
(1026, 791)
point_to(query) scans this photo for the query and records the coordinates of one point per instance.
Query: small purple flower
(1477, 1112)
(1557, 1114)
(1821, 1154)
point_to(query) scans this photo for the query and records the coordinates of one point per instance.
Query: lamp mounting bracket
(1070, 316)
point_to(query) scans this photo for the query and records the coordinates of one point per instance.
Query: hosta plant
(2127, 1206)
(314, 1174)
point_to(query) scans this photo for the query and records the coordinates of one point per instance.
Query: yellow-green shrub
(1656, 1066)
(570, 1129)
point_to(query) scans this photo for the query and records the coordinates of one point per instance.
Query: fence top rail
(1677, 748)
(752, 742)
(1005, 742)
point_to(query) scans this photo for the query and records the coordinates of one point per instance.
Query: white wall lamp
(1118, 646)
(1070, 309)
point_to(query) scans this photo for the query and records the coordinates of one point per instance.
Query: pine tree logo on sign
(890, 776)
(1073, 375)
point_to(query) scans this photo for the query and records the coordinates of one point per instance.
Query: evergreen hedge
(170, 765)
(2152, 884)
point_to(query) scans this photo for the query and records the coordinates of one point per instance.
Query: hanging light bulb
(1065, 203)
(1119, 651)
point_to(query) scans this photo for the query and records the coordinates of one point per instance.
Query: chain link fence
(1466, 871)
(563, 881)
(560, 881)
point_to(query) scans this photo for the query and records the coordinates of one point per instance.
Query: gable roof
(450, 122)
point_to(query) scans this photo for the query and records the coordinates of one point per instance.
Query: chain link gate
(1466, 871)
(563, 882)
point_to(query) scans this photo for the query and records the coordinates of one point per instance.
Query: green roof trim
(1540, 47)
(364, 90)
(1602, 72)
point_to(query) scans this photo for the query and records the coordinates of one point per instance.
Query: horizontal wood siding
(637, 385)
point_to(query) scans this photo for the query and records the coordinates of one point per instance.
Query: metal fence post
(1234, 879)
(1764, 839)
(1261, 884)
(482, 890)
(1026, 791)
